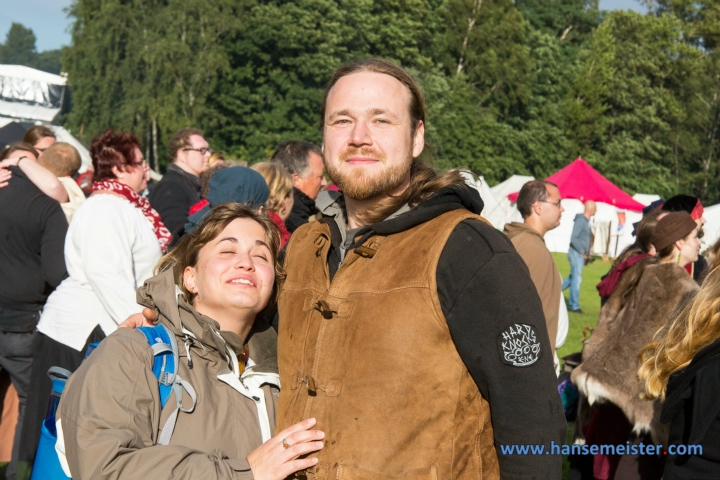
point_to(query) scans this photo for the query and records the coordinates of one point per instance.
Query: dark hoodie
(692, 405)
(484, 288)
(303, 209)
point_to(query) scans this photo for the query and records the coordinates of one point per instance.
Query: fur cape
(608, 372)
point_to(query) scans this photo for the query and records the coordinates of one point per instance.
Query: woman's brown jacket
(110, 414)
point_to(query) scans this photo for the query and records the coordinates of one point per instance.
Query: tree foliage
(19, 49)
(520, 86)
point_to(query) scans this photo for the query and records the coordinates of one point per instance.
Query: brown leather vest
(370, 356)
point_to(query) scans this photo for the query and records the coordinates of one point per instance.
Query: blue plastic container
(47, 465)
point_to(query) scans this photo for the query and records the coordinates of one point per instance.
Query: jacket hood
(161, 294)
(679, 382)
(514, 229)
(444, 200)
(581, 216)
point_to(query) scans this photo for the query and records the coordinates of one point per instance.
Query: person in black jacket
(32, 264)
(304, 162)
(179, 188)
(682, 368)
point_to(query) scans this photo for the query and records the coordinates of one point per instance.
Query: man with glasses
(539, 205)
(179, 188)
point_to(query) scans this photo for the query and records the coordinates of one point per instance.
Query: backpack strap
(165, 350)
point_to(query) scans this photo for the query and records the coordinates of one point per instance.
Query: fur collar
(608, 372)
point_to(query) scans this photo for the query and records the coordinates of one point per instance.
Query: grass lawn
(590, 305)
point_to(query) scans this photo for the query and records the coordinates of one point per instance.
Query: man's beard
(358, 185)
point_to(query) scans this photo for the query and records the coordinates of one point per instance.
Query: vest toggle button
(366, 252)
(324, 308)
(310, 381)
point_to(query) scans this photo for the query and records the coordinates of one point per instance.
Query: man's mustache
(362, 152)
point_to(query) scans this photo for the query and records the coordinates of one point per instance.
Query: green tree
(19, 49)
(484, 41)
(283, 52)
(146, 66)
(695, 140)
(19, 46)
(628, 102)
(49, 61)
(571, 21)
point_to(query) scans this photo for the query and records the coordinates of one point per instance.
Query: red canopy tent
(581, 181)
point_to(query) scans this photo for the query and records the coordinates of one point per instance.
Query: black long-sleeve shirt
(172, 198)
(32, 241)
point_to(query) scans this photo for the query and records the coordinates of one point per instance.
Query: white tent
(645, 198)
(30, 94)
(611, 237)
(506, 211)
(490, 202)
(712, 227)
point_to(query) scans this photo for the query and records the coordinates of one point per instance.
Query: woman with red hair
(111, 246)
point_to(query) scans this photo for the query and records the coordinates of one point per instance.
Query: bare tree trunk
(471, 20)
(156, 159)
(148, 141)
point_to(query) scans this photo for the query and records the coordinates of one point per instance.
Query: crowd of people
(657, 317)
(409, 338)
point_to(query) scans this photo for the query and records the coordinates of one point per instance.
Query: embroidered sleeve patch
(519, 345)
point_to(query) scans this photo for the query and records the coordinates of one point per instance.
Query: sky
(50, 24)
(45, 17)
(622, 5)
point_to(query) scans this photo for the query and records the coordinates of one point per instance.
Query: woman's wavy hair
(279, 183)
(692, 327)
(187, 251)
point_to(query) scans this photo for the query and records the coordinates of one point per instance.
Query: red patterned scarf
(161, 232)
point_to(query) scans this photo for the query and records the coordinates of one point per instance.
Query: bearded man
(409, 327)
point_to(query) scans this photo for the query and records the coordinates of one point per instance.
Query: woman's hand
(5, 173)
(145, 319)
(278, 457)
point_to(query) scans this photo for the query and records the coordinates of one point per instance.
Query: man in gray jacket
(578, 252)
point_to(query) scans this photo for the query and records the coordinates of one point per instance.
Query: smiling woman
(207, 292)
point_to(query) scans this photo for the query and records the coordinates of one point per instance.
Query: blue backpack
(165, 350)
